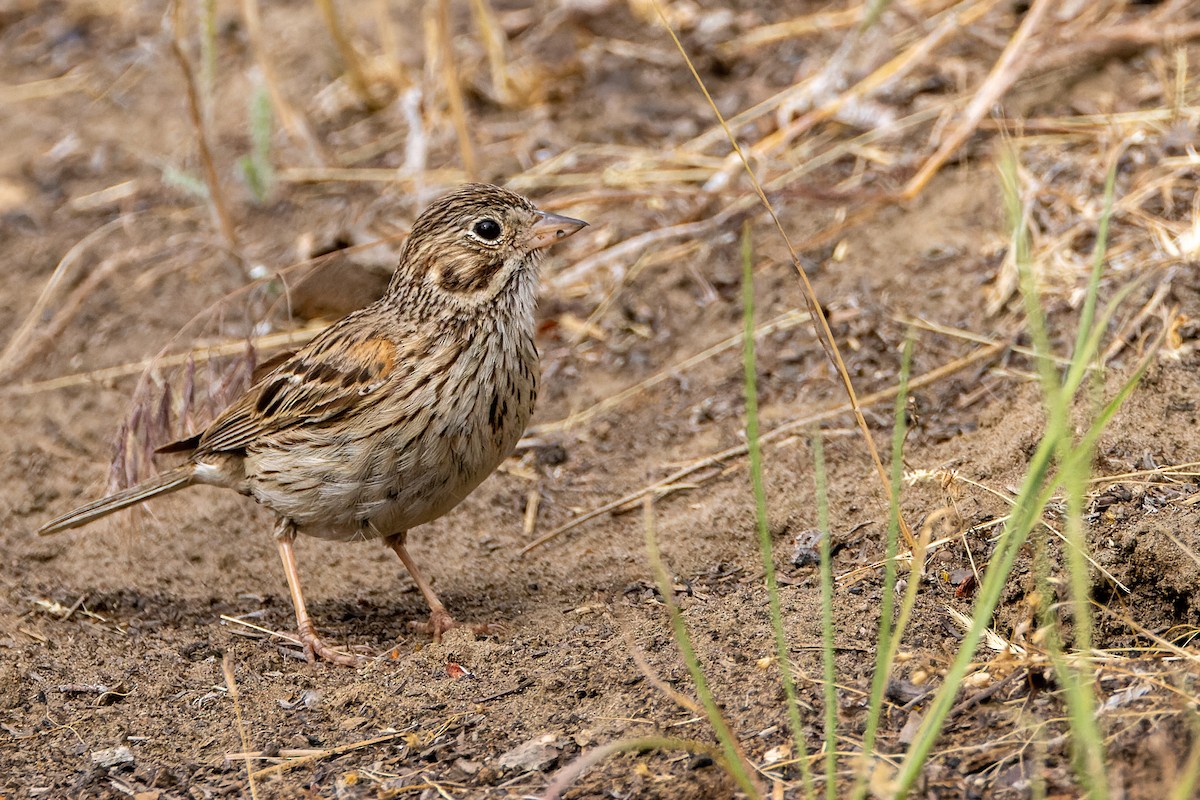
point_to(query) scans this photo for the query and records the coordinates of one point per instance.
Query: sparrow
(393, 414)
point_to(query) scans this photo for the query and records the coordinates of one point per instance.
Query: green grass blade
(875, 9)
(208, 54)
(827, 631)
(884, 648)
(1031, 498)
(1074, 675)
(255, 166)
(734, 763)
(1088, 332)
(1035, 316)
(189, 183)
(1189, 777)
(1038, 486)
(918, 555)
(1092, 435)
(1027, 510)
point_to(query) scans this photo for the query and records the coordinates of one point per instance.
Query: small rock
(777, 754)
(807, 550)
(468, 766)
(112, 757)
(532, 756)
(309, 698)
(911, 725)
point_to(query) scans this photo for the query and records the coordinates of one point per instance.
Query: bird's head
(477, 243)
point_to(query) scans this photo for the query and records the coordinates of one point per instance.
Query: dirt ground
(112, 638)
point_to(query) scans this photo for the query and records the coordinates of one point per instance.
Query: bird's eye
(487, 229)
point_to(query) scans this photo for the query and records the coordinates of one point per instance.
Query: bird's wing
(260, 371)
(333, 375)
(274, 362)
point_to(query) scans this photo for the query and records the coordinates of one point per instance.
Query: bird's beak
(551, 228)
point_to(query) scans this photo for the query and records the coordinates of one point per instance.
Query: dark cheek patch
(468, 275)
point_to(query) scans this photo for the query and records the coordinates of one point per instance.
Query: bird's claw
(315, 647)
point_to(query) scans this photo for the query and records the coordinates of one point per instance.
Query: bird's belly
(348, 490)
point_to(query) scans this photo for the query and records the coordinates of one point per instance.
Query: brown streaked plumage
(396, 412)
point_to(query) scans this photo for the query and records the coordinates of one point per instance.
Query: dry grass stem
(73, 304)
(1133, 328)
(1004, 74)
(216, 194)
(785, 321)
(73, 81)
(787, 428)
(442, 43)
(356, 74)
(369, 175)
(495, 44)
(320, 755)
(653, 678)
(829, 105)
(824, 332)
(293, 121)
(18, 352)
(533, 500)
(616, 255)
(200, 355)
(231, 686)
(264, 631)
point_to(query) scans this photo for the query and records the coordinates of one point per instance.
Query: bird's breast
(416, 455)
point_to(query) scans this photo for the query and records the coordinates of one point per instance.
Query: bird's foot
(315, 647)
(440, 621)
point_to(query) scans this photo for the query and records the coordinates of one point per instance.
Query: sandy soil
(112, 639)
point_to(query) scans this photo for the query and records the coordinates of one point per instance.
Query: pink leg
(440, 620)
(314, 646)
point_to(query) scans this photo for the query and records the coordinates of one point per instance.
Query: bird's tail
(165, 483)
